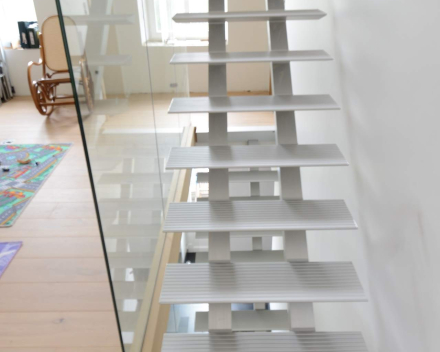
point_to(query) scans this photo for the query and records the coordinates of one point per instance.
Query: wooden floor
(55, 295)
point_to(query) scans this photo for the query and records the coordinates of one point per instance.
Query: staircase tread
(265, 215)
(265, 342)
(252, 104)
(243, 176)
(244, 16)
(261, 282)
(253, 156)
(243, 57)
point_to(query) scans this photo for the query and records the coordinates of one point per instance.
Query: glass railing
(123, 87)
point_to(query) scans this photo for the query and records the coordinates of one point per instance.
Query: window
(11, 12)
(160, 27)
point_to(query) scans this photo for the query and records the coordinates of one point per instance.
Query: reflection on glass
(124, 88)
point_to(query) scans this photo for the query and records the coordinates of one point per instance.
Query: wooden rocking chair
(52, 58)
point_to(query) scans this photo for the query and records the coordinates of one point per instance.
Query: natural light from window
(159, 26)
(11, 12)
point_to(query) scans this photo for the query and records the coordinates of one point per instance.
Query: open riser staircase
(283, 277)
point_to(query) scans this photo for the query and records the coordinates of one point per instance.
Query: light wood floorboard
(55, 295)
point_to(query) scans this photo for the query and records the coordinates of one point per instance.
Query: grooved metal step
(248, 57)
(265, 342)
(116, 204)
(206, 199)
(109, 60)
(132, 260)
(130, 290)
(134, 178)
(243, 176)
(268, 215)
(261, 282)
(244, 234)
(249, 16)
(130, 230)
(253, 156)
(241, 135)
(100, 20)
(247, 256)
(250, 320)
(252, 104)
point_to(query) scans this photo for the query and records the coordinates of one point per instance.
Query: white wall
(17, 61)
(386, 78)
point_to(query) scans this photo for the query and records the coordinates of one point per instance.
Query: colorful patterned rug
(8, 250)
(22, 181)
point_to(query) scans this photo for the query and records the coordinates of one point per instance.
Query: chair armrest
(29, 70)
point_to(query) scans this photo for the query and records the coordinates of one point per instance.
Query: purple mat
(7, 252)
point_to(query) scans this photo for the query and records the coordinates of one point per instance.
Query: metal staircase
(223, 281)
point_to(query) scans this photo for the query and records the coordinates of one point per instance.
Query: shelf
(227, 157)
(109, 60)
(248, 57)
(261, 283)
(267, 215)
(252, 104)
(249, 16)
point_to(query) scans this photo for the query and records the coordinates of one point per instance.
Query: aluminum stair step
(107, 205)
(265, 342)
(249, 16)
(101, 19)
(261, 282)
(252, 104)
(130, 230)
(129, 274)
(243, 176)
(250, 320)
(140, 260)
(241, 135)
(206, 199)
(144, 153)
(244, 234)
(247, 256)
(128, 320)
(129, 244)
(109, 60)
(268, 215)
(134, 178)
(253, 156)
(108, 107)
(129, 290)
(248, 57)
